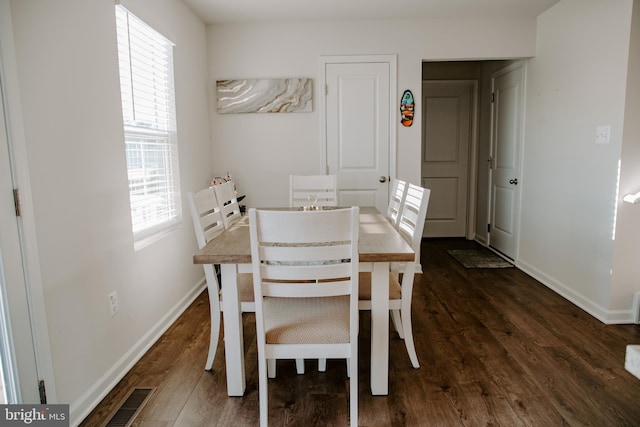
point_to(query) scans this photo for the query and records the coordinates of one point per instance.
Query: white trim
(148, 239)
(392, 60)
(472, 205)
(604, 315)
(79, 409)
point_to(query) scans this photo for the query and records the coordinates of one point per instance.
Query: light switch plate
(603, 134)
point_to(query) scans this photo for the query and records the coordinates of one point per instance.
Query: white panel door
(358, 130)
(506, 142)
(17, 354)
(446, 139)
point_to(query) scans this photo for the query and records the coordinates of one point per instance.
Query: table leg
(380, 328)
(233, 337)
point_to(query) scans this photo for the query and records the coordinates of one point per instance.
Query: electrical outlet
(114, 308)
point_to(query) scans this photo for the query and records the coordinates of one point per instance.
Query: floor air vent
(130, 407)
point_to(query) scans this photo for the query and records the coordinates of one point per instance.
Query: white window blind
(148, 110)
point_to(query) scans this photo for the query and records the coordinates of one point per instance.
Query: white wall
(262, 150)
(626, 268)
(576, 82)
(68, 81)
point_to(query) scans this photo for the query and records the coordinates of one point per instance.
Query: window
(148, 111)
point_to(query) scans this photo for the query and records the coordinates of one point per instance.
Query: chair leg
(300, 366)
(408, 338)
(353, 392)
(271, 368)
(263, 391)
(213, 340)
(322, 365)
(397, 322)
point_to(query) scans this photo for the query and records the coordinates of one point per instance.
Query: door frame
(321, 88)
(26, 223)
(472, 180)
(508, 68)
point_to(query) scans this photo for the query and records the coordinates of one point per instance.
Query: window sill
(143, 242)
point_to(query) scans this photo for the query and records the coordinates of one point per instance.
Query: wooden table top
(379, 242)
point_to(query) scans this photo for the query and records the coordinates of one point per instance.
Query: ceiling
(238, 11)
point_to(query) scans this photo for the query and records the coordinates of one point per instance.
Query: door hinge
(488, 228)
(326, 89)
(493, 97)
(17, 201)
(43, 392)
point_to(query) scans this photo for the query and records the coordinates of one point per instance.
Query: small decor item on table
(407, 107)
(217, 180)
(313, 199)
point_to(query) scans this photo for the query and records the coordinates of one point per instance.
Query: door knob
(513, 181)
(382, 179)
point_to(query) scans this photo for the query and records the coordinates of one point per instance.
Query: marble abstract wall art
(264, 96)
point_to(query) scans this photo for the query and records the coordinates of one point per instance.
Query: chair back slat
(228, 201)
(413, 214)
(306, 290)
(289, 253)
(206, 215)
(304, 274)
(296, 247)
(319, 227)
(304, 189)
(396, 200)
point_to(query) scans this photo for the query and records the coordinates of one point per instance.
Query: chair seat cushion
(306, 320)
(395, 290)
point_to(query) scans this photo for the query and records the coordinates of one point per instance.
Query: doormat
(478, 258)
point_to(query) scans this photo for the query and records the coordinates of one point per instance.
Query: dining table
(379, 245)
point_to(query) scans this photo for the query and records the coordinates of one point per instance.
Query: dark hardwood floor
(496, 348)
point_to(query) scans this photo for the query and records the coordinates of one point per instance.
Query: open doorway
(476, 183)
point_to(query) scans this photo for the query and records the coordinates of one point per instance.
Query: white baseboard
(82, 407)
(609, 317)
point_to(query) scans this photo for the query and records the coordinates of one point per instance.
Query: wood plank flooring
(496, 348)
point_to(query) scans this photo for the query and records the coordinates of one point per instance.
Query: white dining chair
(305, 271)
(413, 216)
(208, 224)
(318, 190)
(209, 213)
(401, 276)
(228, 201)
(396, 199)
